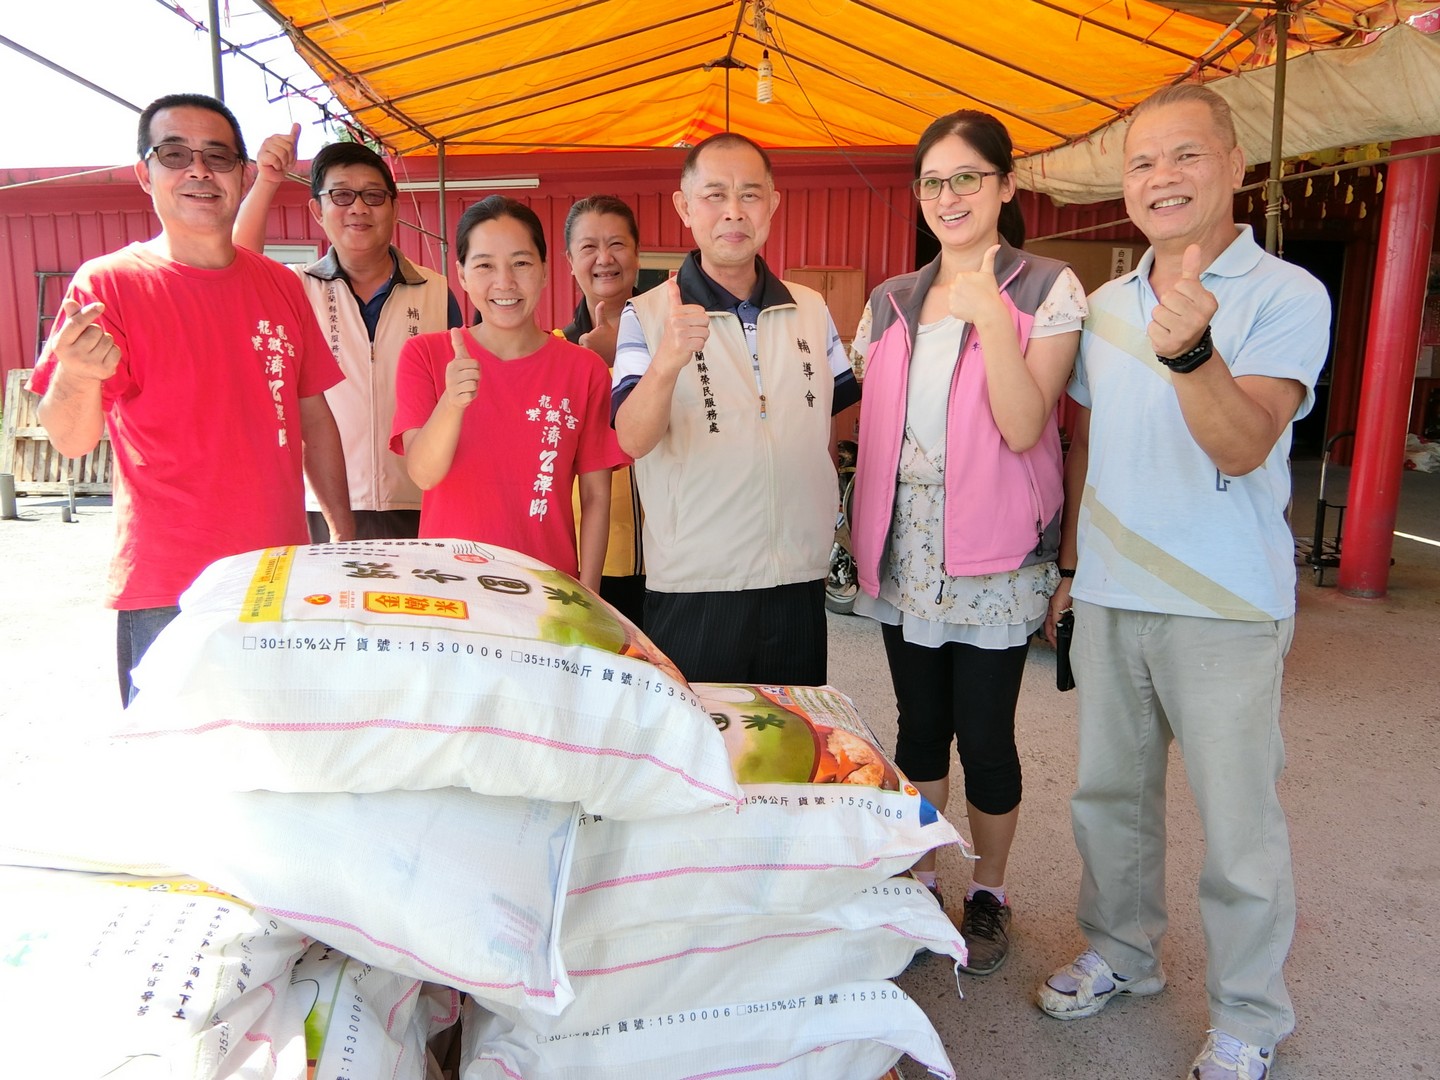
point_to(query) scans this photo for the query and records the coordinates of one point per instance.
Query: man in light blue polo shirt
(1191, 371)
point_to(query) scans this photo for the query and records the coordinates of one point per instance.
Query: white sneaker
(1085, 986)
(1225, 1057)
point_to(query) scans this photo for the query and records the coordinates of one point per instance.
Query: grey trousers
(1213, 685)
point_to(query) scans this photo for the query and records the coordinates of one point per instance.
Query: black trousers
(773, 636)
(626, 595)
(963, 693)
(369, 525)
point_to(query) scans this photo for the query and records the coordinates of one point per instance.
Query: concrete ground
(1361, 791)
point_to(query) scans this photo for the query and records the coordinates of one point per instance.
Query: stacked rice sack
(438, 766)
(382, 746)
(686, 938)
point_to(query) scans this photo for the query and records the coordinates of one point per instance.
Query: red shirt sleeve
(599, 448)
(416, 388)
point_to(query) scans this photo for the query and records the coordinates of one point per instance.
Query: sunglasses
(962, 183)
(179, 156)
(370, 196)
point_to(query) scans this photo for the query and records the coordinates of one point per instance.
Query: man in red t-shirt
(205, 363)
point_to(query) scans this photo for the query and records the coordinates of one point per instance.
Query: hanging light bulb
(765, 84)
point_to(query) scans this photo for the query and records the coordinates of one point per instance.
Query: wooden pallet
(26, 453)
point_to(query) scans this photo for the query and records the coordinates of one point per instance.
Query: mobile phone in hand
(1064, 632)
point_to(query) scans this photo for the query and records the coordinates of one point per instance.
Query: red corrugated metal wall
(834, 211)
(830, 214)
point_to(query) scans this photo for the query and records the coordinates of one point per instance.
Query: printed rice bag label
(797, 735)
(360, 1021)
(375, 595)
(165, 968)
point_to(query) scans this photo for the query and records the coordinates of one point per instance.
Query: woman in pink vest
(956, 513)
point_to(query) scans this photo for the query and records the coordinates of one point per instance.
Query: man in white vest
(724, 385)
(369, 299)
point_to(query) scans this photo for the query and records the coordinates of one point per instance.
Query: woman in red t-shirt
(497, 421)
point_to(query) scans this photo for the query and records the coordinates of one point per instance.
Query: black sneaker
(985, 926)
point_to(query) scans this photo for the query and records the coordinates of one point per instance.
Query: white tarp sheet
(1388, 89)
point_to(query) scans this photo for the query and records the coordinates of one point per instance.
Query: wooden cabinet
(843, 288)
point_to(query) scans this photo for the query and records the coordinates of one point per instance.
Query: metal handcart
(1324, 552)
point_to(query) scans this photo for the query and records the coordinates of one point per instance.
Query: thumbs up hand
(1185, 310)
(607, 329)
(974, 293)
(462, 374)
(687, 328)
(276, 156)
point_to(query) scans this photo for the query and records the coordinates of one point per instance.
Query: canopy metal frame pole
(1274, 193)
(217, 75)
(440, 196)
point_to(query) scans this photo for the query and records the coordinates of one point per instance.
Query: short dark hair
(722, 139)
(601, 204)
(144, 142)
(1188, 93)
(348, 153)
(491, 208)
(990, 139)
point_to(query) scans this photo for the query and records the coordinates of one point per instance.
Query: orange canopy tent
(554, 75)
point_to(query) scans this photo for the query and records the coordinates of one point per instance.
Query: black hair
(991, 141)
(348, 153)
(143, 142)
(722, 138)
(601, 204)
(489, 209)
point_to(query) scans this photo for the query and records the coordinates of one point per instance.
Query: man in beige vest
(369, 300)
(725, 381)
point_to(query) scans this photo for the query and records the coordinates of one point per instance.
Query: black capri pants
(967, 694)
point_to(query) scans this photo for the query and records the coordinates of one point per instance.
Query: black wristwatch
(1191, 359)
(1067, 571)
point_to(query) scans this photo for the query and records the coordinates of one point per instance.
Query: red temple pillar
(1407, 226)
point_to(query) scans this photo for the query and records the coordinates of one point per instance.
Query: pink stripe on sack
(390, 1020)
(898, 932)
(703, 950)
(408, 725)
(503, 1067)
(449, 975)
(454, 1013)
(260, 1037)
(759, 1065)
(766, 1065)
(737, 868)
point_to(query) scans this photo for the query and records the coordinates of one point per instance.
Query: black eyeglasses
(178, 156)
(962, 183)
(343, 196)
